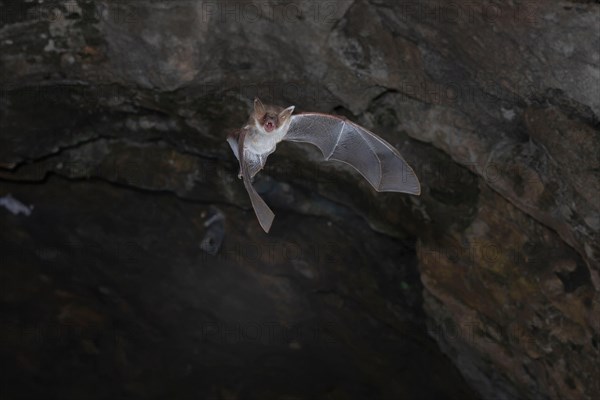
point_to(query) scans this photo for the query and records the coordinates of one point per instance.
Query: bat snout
(269, 126)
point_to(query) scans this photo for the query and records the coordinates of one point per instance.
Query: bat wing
(342, 140)
(247, 162)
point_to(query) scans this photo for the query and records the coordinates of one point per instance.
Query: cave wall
(494, 104)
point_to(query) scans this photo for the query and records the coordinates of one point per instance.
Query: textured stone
(494, 104)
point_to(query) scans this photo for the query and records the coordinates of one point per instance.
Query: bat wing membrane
(342, 140)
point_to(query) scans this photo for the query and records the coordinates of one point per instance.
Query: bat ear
(285, 114)
(259, 108)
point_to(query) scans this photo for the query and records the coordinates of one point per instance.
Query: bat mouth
(269, 126)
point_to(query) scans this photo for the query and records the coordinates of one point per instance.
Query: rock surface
(112, 119)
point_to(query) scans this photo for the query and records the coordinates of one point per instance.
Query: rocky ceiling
(133, 266)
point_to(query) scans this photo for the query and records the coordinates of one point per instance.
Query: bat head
(270, 118)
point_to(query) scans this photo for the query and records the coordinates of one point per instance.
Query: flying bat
(338, 139)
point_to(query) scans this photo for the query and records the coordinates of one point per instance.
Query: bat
(338, 139)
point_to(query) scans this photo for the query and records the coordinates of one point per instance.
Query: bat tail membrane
(341, 140)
